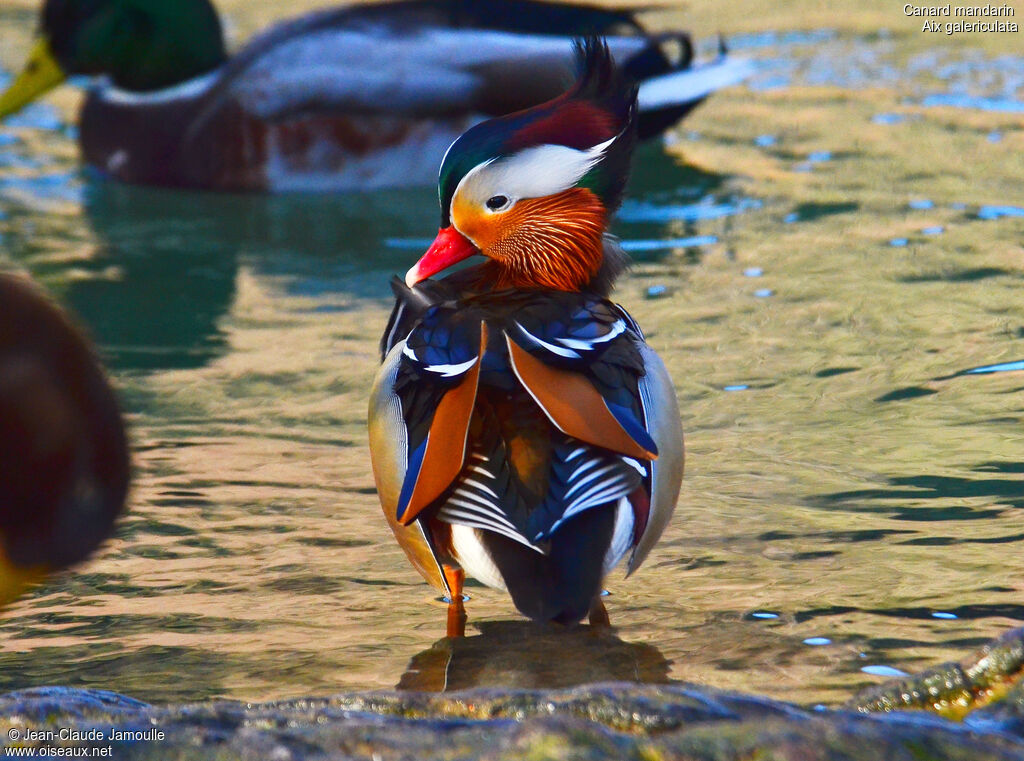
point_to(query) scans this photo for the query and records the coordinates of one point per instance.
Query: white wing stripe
(615, 484)
(482, 503)
(583, 468)
(598, 496)
(477, 485)
(586, 344)
(473, 520)
(580, 484)
(514, 535)
(449, 371)
(445, 371)
(616, 491)
(567, 353)
(598, 480)
(469, 510)
(636, 465)
(473, 510)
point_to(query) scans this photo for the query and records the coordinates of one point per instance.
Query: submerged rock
(605, 721)
(614, 720)
(955, 689)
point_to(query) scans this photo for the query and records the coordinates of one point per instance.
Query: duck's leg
(456, 610)
(599, 613)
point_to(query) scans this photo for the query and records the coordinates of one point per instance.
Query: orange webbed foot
(456, 609)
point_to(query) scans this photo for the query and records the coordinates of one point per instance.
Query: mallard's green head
(142, 45)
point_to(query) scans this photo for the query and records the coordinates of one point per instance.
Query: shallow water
(829, 260)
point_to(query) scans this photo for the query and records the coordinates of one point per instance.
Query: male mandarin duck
(349, 98)
(521, 430)
(63, 454)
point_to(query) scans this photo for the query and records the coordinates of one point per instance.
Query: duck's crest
(596, 115)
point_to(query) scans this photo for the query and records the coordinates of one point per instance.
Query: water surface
(851, 505)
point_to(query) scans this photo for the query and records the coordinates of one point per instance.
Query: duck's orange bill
(450, 246)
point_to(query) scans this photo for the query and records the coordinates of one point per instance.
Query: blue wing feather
(634, 427)
(412, 473)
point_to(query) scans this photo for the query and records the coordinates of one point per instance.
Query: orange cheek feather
(551, 242)
(469, 220)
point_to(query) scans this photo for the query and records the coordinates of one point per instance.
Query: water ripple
(980, 103)
(995, 212)
(645, 211)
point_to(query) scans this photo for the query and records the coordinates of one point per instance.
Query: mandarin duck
(521, 430)
(63, 454)
(350, 98)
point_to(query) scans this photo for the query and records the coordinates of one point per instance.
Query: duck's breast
(661, 412)
(389, 459)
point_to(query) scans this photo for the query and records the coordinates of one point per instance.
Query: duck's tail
(666, 98)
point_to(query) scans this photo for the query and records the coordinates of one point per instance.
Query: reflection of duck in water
(162, 278)
(165, 270)
(356, 97)
(520, 654)
(63, 455)
(521, 429)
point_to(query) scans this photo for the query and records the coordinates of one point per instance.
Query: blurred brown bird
(64, 465)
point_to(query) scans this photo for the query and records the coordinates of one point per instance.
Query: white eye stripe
(535, 172)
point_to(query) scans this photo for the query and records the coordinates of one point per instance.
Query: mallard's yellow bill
(14, 580)
(41, 73)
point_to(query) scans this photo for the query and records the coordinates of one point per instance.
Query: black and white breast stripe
(476, 503)
(586, 478)
(595, 477)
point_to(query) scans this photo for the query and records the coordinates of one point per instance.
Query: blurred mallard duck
(63, 455)
(521, 430)
(349, 98)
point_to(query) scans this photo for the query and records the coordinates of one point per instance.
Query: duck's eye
(497, 203)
